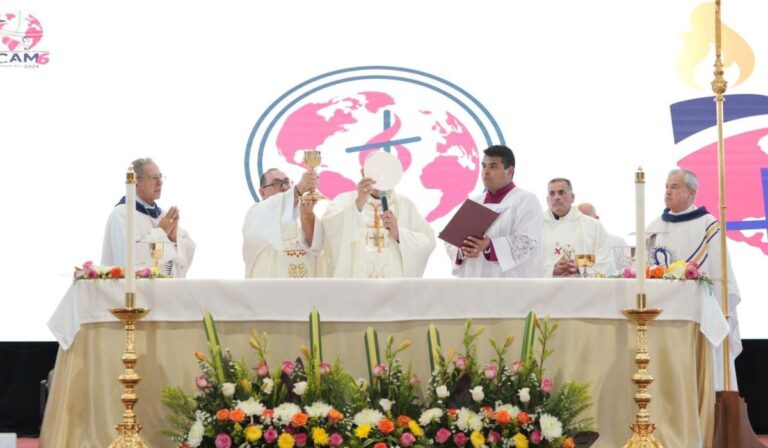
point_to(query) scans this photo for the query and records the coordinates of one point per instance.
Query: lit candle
(130, 244)
(640, 252)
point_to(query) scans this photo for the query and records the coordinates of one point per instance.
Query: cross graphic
(386, 145)
(760, 224)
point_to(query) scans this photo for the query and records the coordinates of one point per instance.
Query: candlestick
(315, 340)
(130, 244)
(640, 250)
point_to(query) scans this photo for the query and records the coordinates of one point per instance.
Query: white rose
(267, 385)
(385, 404)
(228, 390)
(442, 391)
(195, 436)
(477, 394)
(524, 394)
(299, 388)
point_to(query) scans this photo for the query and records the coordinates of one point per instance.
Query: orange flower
(647, 271)
(237, 415)
(267, 414)
(380, 445)
(657, 272)
(487, 411)
(334, 416)
(116, 272)
(502, 417)
(523, 418)
(568, 443)
(403, 420)
(299, 419)
(222, 415)
(453, 412)
(386, 426)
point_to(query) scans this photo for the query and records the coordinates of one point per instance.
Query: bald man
(613, 240)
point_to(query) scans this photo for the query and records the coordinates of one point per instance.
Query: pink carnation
(407, 439)
(547, 385)
(336, 439)
(379, 370)
(262, 370)
(461, 362)
(325, 368)
(442, 435)
(490, 371)
(692, 272)
(460, 439)
(536, 437)
(493, 437)
(628, 273)
(300, 439)
(516, 366)
(202, 382)
(288, 368)
(223, 441)
(270, 435)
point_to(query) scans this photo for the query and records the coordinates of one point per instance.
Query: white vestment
(177, 257)
(575, 233)
(515, 236)
(699, 240)
(354, 248)
(273, 241)
(615, 241)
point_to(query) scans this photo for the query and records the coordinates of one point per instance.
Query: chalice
(157, 250)
(585, 261)
(312, 159)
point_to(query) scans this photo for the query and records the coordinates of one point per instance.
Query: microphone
(384, 203)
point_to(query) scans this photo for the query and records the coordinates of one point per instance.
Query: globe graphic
(439, 154)
(19, 31)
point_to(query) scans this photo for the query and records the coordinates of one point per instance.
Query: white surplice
(354, 248)
(177, 257)
(515, 236)
(699, 240)
(273, 241)
(575, 233)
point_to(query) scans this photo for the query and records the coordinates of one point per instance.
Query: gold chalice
(312, 159)
(157, 250)
(585, 261)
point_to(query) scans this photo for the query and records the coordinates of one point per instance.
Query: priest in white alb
(281, 237)
(362, 240)
(690, 233)
(511, 247)
(568, 232)
(152, 225)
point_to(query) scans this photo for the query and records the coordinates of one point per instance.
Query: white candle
(130, 244)
(640, 252)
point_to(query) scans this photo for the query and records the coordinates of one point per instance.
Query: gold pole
(719, 86)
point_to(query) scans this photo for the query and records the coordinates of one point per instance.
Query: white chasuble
(273, 241)
(356, 248)
(575, 233)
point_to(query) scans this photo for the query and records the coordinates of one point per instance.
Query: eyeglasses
(154, 179)
(278, 183)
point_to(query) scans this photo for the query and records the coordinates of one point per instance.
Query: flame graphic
(701, 39)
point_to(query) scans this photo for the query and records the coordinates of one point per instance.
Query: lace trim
(521, 246)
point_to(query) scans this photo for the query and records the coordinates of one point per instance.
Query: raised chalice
(585, 261)
(312, 160)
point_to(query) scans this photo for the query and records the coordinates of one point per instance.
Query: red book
(472, 219)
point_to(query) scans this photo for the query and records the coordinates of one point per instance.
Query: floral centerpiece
(679, 270)
(90, 271)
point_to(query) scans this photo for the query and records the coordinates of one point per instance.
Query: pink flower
(288, 367)
(628, 273)
(144, 273)
(336, 439)
(325, 368)
(300, 439)
(493, 437)
(414, 380)
(223, 441)
(536, 437)
(460, 439)
(442, 435)
(490, 371)
(691, 272)
(202, 382)
(379, 370)
(92, 273)
(547, 385)
(460, 363)
(516, 366)
(270, 435)
(407, 439)
(262, 370)
(694, 264)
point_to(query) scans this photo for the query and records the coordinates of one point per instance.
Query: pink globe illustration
(19, 32)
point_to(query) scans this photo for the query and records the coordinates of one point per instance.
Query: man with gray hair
(152, 225)
(690, 233)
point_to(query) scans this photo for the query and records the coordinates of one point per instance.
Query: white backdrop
(580, 90)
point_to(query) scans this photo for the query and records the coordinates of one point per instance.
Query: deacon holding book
(511, 246)
(153, 225)
(281, 237)
(373, 232)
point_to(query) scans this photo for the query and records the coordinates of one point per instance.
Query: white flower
(251, 407)
(430, 415)
(318, 410)
(512, 410)
(267, 385)
(285, 412)
(228, 390)
(477, 393)
(299, 388)
(370, 416)
(469, 421)
(386, 404)
(551, 428)
(195, 436)
(524, 394)
(442, 391)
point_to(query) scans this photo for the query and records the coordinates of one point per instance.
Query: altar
(594, 343)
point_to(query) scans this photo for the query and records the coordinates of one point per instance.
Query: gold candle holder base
(312, 195)
(642, 428)
(128, 429)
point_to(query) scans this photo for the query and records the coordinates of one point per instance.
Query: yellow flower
(253, 433)
(362, 431)
(319, 436)
(520, 441)
(478, 439)
(415, 428)
(678, 264)
(285, 440)
(155, 271)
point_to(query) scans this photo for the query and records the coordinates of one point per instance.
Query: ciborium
(312, 160)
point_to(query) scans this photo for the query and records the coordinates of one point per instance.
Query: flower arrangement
(90, 271)
(679, 270)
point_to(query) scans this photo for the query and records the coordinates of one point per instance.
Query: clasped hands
(169, 222)
(565, 267)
